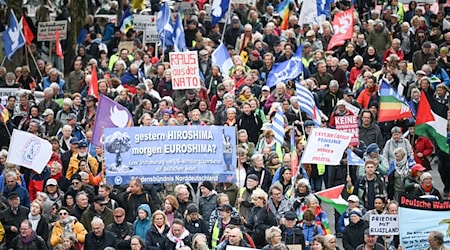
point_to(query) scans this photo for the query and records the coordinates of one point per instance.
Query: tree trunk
(16, 6)
(78, 14)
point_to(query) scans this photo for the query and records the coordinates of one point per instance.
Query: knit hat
(355, 211)
(372, 148)
(425, 176)
(208, 185)
(192, 208)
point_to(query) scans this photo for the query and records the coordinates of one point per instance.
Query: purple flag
(110, 114)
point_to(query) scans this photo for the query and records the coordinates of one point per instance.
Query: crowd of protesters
(69, 205)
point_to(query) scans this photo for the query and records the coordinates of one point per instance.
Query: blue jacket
(23, 194)
(46, 83)
(442, 75)
(310, 232)
(141, 227)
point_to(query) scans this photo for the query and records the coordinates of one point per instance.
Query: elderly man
(11, 218)
(421, 57)
(13, 187)
(97, 209)
(81, 155)
(370, 242)
(122, 229)
(436, 241)
(182, 194)
(28, 239)
(48, 102)
(99, 238)
(51, 125)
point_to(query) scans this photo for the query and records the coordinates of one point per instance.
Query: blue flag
(13, 38)
(126, 22)
(278, 125)
(164, 26)
(353, 159)
(221, 58)
(324, 7)
(218, 10)
(179, 41)
(287, 70)
(81, 36)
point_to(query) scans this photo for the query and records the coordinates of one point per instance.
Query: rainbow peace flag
(4, 114)
(283, 10)
(392, 106)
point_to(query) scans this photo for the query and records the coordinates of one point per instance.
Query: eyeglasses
(63, 213)
(76, 183)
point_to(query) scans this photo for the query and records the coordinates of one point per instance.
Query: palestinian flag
(392, 106)
(332, 197)
(431, 121)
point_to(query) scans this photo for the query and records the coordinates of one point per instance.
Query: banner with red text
(348, 123)
(185, 71)
(418, 217)
(326, 146)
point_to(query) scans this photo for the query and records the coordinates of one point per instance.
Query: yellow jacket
(74, 162)
(58, 230)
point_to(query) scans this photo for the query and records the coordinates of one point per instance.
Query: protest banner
(348, 123)
(417, 217)
(129, 45)
(170, 154)
(47, 30)
(383, 224)
(17, 92)
(326, 146)
(185, 72)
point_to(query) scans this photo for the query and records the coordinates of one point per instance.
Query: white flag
(308, 13)
(29, 151)
(221, 58)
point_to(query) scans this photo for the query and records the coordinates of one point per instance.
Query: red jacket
(332, 123)
(423, 145)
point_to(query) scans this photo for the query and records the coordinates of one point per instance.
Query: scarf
(28, 239)
(34, 220)
(160, 229)
(179, 243)
(426, 189)
(401, 167)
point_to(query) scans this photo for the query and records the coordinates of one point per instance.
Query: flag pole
(26, 56)
(50, 52)
(226, 21)
(3, 61)
(34, 60)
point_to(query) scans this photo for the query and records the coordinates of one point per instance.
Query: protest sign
(141, 22)
(417, 217)
(170, 154)
(47, 30)
(185, 72)
(150, 32)
(187, 8)
(383, 224)
(326, 146)
(129, 45)
(17, 92)
(348, 123)
(355, 110)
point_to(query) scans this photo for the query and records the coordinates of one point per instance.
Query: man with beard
(81, 155)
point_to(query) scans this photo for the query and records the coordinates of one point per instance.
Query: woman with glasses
(273, 237)
(67, 224)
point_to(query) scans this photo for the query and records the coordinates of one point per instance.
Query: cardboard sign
(129, 45)
(47, 30)
(326, 146)
(185, 71)
(348, 123)
(384, 224)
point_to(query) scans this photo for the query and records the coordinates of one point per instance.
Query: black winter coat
(354, 235)
(93, 242)
(153, 238)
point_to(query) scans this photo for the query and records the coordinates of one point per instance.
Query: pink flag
(343, 28)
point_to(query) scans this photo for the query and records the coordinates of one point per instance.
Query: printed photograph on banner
(170, 154)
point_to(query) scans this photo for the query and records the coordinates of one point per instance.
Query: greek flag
(287, 70)
(307, 103)
(353, 159)
(278, 125)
